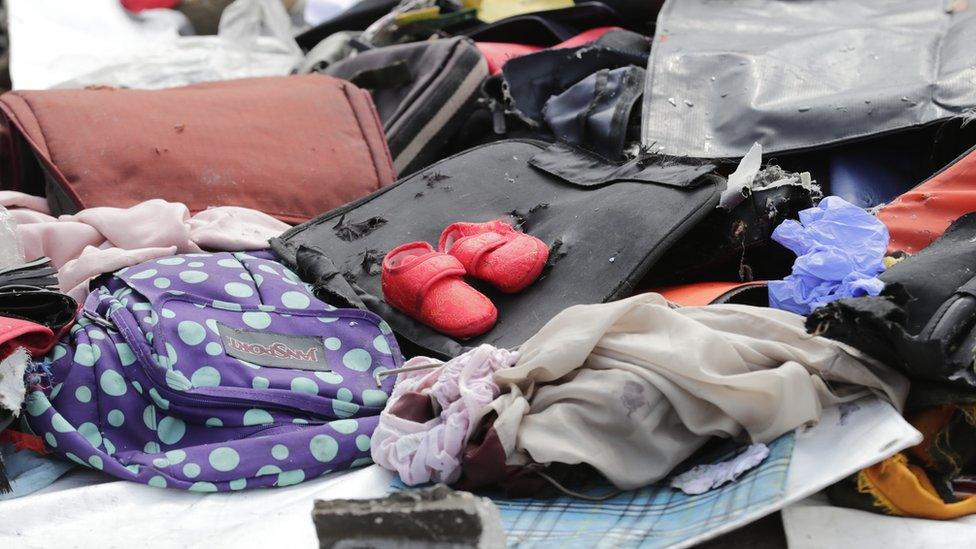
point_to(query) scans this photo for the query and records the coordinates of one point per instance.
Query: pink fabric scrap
(101, 240)
(460, 388)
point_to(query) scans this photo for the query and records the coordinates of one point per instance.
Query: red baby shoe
(497, 253)
(427, 285)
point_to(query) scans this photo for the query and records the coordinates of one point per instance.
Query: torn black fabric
(924, 322)
(348, 230)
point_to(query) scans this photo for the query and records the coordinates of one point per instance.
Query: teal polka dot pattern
(109, 447)
(208, 376)
(171, 355)
(116, 418)
(224, 459)
(149, 417)
(324, 448)
(126, 356)
(238, 484)
(191, 470)
(230, 263)
(268, 470)
(260, 383)
(212, 324)
(193, 277)
(91, 433)
(162, 283)
(50, 440)
(360, 462)
(344, 409)
(362, 442)
(279, 451)
(171, 261)
(381, 344)
(257, 416)
(83, 394)
(295, 300)
(333, 343)
(158, 400)
(203, 487)
(289, 478)
(177, 381)
(171, 430)
(331, 378)
(37, 403)
(304, 385)
(112, 383)
(257, 320)
(58, 353)
(214, 422)
(148, 273)
(157, 481)
(344, 394)
(191, 333)
(346, 426)
(87, 355)
(358, 359)
(238, 289)
(60, 424)
(151, 447)
(214, 349)
(374, 397)
(96, 462)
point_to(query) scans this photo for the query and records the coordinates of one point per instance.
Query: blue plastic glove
(840, 251)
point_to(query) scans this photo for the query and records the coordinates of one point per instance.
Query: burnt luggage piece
(606, 226)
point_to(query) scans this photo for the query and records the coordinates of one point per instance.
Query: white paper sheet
(846, 440)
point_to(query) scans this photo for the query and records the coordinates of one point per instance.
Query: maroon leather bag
(293, 146)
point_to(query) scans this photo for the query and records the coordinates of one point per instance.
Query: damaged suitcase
(291, 147)
(611, 222)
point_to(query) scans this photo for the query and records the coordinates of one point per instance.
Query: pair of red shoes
(428, 284)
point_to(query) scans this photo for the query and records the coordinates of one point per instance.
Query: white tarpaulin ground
(88, 509)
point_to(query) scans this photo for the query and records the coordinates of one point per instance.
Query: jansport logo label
(276, 350)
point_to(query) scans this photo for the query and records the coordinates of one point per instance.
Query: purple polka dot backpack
(214, 372)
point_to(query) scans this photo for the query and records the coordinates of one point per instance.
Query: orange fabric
(700, 293)
(929, 422)
(905, 490)
(918, 217)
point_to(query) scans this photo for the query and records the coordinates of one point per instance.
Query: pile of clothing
(536, 250)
